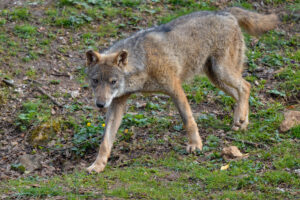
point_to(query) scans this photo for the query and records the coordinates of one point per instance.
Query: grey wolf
(160, 59)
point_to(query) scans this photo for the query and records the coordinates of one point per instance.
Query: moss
(43, 133)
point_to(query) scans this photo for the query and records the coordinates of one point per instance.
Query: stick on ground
(42, 91)
(247, 142)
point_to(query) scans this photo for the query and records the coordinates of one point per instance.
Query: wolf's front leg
(185, 111)
(113, 120)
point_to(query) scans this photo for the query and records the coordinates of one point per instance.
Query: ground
(50, 129)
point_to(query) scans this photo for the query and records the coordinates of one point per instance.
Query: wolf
(161, 58)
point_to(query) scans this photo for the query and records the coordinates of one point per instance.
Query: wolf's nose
(100, 105)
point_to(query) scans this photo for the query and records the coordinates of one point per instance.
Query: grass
(25, 31)
(168, 177)
(33, 112)
(151, 137)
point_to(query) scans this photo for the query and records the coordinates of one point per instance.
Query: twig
(58, 74)
(41, 90)
(247, 142)
(267, 64)
(35, 81)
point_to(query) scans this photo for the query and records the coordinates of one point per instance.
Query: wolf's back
(254, 23)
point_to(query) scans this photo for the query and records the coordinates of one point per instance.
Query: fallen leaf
(232, 152)
(225, 167)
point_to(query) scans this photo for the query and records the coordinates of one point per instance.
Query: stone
(30, 162)
(291, 119)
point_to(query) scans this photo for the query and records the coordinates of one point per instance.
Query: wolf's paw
(96, 167)
(192, 147)
(241, 125)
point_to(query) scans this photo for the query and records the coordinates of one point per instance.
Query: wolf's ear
(92, 57)
(122, 58)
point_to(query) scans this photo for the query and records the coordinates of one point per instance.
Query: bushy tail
(254, 23)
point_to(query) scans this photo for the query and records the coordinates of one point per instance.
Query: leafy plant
(139, 120)
(73, 20)
(87, 137)
(33, 112)
(20, 13)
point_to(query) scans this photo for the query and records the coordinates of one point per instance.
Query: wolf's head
(106, 75)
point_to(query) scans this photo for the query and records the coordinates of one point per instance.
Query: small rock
(232, 152)
(53, 112)
(291, 119)
(14, 143)
(280, 189)
(4, 142)
(297, 171)
(63, 40)
(75, 94)
(30, 162)
(140, 105)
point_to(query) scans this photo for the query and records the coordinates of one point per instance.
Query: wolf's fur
(254, 23)
(159, 59)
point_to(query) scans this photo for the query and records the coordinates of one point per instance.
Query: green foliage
(32, 113)
(86, 3)
(199, 89)
(107, 30)
(189, 6)
(212, 141)
(290, 81)
(210, 120)
(87, 136)
(25, 31)
(139, 120)
(31, 73)
(131, 3)
(31, 56)
(152, 106)
(18, 167)
(73, 20)
(2, 22)
(20, 14)
(55, 82)
(296, 131)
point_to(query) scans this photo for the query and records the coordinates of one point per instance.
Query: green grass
(167, 177)
(25, 31)
(20, 14)
(33, 112)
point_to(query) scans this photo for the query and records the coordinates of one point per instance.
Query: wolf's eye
(113, 82)
(95, 81)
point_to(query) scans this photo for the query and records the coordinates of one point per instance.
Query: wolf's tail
(254, 23)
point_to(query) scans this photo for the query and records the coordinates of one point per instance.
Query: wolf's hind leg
(113, 120)
(234, 85)
(176, 92)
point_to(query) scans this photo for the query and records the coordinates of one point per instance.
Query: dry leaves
(224, 167)
(232, 152)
